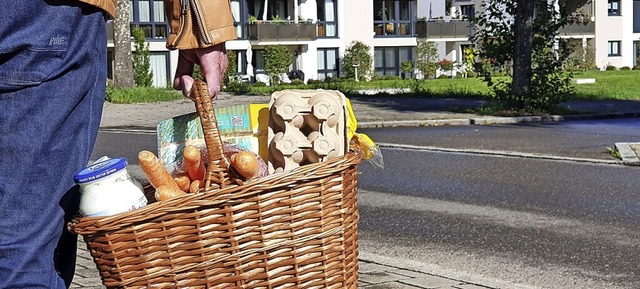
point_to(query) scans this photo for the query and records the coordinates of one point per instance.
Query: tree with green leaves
(277, 59)
(427, 58)
(358, 54)
(507, 33)
(142, 73)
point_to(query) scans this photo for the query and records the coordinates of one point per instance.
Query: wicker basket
(296, 229)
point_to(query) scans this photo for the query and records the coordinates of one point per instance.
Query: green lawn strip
(609, 85)
(141, 94)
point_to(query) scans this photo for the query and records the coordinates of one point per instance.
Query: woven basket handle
(218, 168)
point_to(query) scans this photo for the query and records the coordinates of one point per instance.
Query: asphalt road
(583, 139)
(549, 222)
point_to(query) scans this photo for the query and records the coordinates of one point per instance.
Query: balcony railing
(442, 29)
(578, 29)
(281, 31)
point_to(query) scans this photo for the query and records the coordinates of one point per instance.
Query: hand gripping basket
(295, 229)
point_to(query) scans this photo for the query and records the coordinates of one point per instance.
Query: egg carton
(305, 127)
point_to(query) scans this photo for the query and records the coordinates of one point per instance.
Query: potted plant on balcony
(579, 17)
(389, 28)
(277, 19)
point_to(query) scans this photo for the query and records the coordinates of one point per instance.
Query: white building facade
(319, 31)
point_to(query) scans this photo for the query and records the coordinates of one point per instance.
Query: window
(276, 8)
(241, 62)
(238, 19)
(257, 60)
(467, 11)
(327, 18)
(387, 60)
(614, 7)
(327, 63)
(159, 65)
(393, 17)
(614, 48)
(149, 15)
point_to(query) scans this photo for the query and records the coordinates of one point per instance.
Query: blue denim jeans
(52, 88)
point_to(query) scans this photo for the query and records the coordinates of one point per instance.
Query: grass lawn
(620, 84)
(141, 94)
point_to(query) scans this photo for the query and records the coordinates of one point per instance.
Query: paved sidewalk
(376, 272)
(389, 273)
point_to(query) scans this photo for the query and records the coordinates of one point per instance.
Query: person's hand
(213, 64)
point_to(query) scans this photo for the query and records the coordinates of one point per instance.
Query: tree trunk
(523, 47)
(123, 70)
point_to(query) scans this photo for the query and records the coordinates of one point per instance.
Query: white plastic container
(108, 189)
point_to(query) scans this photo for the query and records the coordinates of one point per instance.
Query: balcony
(580, 13)
(281, 31)
(578, 29)
(434, 29)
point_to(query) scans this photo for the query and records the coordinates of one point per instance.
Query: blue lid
(100, 170)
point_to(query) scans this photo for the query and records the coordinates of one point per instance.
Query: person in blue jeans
(52, 88)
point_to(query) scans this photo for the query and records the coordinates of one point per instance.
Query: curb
(413, 123)
(502, 153)
(627, 153)
(491, 120)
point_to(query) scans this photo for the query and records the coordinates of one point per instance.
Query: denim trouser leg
(52, 87)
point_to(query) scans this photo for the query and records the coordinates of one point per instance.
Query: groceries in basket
(370, 150)
(244, 125)
(107, 188)
(242, 129)
(301, 222)
(189, 176)
(306, 126)
(311, 126)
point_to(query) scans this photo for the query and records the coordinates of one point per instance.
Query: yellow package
(370, 150)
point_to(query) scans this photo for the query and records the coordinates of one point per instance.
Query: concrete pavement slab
(629, 152)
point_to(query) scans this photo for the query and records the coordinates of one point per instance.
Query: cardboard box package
(245, 125)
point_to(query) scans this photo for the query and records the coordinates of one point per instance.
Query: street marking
(498, 153)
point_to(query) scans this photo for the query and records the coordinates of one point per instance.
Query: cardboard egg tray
(306, 127)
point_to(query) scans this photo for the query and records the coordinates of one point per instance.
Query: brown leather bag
(199, 23)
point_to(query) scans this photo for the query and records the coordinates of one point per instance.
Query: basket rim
(91, 225)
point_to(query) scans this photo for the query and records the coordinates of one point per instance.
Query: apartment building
(319, 31)
(316, 31)
(616, 32)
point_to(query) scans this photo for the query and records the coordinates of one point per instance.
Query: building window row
(393, 17)
(149, 15)
(387, 60)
